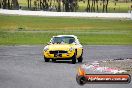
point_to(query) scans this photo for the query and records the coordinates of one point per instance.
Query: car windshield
(60, 40)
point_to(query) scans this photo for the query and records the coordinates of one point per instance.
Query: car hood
(60, 46)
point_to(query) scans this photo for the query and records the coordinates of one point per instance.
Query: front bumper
(67, 55)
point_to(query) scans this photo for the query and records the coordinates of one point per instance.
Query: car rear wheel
(46, 59)
(74, 59)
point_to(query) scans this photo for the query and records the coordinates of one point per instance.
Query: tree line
(9, 4)
(58, 5)
(69, 5)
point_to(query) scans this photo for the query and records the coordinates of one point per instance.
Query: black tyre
(53, 60)
(80, 59)
(74, 59)
(81, 80)
(46, 59)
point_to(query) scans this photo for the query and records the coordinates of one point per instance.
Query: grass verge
(19, 30)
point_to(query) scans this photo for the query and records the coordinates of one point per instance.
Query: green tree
(15, 4)
(59, 5)
(8, 3)
(97, 5)
(88, 6)
(4, 4)
(0, 3)
(29, 3)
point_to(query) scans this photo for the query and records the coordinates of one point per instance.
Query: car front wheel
(74, 59)
(46, 59)
(81, 80)
(80, 59)
(53, 60)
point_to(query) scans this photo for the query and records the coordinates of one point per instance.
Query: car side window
(72, 40)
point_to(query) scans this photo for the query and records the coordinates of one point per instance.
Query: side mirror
(48, 43)
(74, 43)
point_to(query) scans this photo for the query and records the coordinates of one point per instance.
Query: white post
(131, 15)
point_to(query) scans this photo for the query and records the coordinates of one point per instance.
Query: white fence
(66, 14)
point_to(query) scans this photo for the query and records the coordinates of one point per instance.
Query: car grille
(58, 51)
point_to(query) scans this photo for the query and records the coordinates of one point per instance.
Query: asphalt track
(24, 67)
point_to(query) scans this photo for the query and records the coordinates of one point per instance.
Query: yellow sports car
(63, 47)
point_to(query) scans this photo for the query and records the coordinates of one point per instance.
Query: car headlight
(71, 49)
(45, 48)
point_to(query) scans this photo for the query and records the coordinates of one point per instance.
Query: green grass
(22, 30)
(26, 23)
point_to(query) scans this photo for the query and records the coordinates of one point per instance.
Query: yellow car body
(60, 48)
